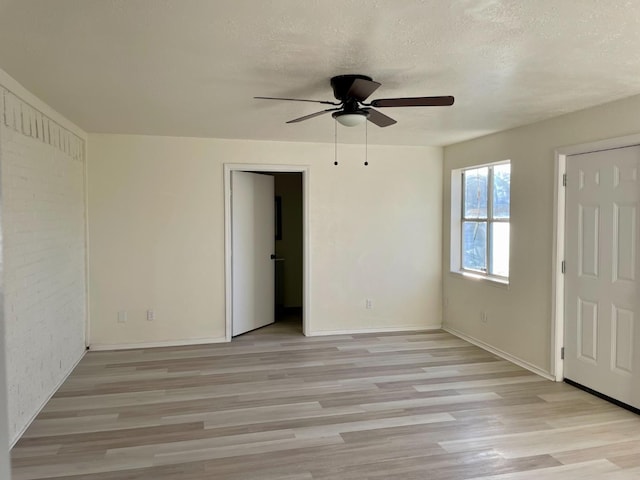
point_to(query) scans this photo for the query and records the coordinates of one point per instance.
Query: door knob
(273, 256)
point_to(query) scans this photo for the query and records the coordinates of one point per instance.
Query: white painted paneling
(156, 222)
(623, 339)
(624, 242)
(588, 228)
(587, 331)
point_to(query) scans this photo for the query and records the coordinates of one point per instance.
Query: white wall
(43, 226)
(156, 224)
(519, 318)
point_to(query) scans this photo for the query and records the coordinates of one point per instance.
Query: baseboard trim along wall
(500, 353)
(19, 434)
(168, 343)
(321, 333)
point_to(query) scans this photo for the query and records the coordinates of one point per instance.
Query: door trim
(559, 201)
(245, 167)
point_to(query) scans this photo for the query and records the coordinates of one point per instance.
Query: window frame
(458, 197)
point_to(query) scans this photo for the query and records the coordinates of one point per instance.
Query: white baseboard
(321, 333)
(496, 351)
(100, 347)
(19, 434)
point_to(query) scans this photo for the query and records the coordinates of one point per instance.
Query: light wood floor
(276, 405)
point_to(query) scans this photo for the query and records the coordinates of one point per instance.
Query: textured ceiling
(191, 67)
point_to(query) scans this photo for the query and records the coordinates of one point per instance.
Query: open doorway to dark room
(289, 235)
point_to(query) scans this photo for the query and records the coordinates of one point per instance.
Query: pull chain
(366, 143)
(335, 142)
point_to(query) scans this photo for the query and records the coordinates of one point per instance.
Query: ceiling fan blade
(317, 114)
(380, 119)
(361, 88)
(443, 101)
(299, 100)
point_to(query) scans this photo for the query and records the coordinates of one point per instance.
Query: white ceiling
(191, 67)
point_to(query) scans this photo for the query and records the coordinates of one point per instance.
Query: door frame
(559, 201)
(246, 167)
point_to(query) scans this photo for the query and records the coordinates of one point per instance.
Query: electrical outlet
(122, 316)
(368, 304)
(483, 317)
(151, 315)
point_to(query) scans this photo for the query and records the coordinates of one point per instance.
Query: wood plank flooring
(274, 405)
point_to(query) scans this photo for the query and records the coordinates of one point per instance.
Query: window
(481, 196)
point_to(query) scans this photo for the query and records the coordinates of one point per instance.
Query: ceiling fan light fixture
(351, 119)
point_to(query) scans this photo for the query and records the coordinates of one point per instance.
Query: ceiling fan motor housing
(342, 83)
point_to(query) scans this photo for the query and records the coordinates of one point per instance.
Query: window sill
(493, 281)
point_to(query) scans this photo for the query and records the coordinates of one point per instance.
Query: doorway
(290, 252)
(598, 233)
(288, 248)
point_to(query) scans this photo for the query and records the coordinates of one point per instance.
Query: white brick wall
(43, 227)
(4, 424)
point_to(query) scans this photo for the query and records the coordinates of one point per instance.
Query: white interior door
(602, 338)
(252, 245)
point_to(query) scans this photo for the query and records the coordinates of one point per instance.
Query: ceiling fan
(351, 110)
